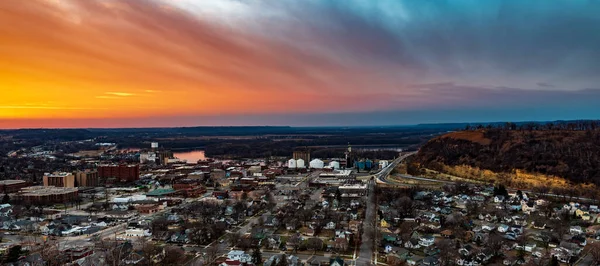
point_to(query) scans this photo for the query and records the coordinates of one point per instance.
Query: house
(414, 260)
(447, 233)
(240, 256)
(488, 227)
(341, 244)
(137, 233)
(530, 247)
(484, 255)
(180, 237)
(426, 241)
(271, 221)
(337, 262)
(528, 207)
(431, 261)
(330, 226)
(579, 240)
(498, 198)
(562, 254)
(575, 230)
(354, 226)
(502, 228)
(594, 208)
(384, 224)
(465, 250)
(413, 243)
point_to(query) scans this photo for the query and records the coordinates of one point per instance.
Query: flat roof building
(87, 178)
(12, 186)
(47, 194)
(59, 179)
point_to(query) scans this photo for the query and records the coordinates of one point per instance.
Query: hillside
(569, 153)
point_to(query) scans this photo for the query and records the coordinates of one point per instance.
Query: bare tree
(212, 253)
(173, 256)
(594, 250)
(447, 252)
(294, 240)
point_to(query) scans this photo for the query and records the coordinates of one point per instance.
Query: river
(190, 156)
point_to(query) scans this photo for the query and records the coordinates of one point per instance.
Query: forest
(570, 150)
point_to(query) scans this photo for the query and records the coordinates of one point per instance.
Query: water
(190, 156)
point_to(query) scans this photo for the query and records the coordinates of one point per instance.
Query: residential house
(576, 230)
(337, 262)
(426, 240)
(431, 261)
(413, 243)
(330, 226)
(240, 256)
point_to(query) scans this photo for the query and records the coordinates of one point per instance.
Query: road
(366, 252)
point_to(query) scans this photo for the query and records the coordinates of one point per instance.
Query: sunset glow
(170, 63)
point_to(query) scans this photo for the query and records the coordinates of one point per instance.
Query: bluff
(572, 154)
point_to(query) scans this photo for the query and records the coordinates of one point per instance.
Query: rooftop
(44, 191)
(57, 174)
(11, 182)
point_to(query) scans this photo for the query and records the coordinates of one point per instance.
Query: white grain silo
(383, 164)
(317, 164)
(300, 163)
(292, 163)
(335, 165)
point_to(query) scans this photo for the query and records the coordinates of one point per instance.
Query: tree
(282, 261)
(5, 199)
(14, 253)
(257, 256)
(234, 238)
(447, 252)
(495, 243)
(594, 251)
(294, 240)
(211, 253)
(173, 256)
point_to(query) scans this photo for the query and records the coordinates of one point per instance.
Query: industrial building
(59, 179)
(316, 164)
(303, 154)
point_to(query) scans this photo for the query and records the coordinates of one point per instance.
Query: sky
(160, 63)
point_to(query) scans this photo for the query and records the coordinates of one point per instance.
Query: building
(59, 179)
(124, 173)
(87, 178)
(189, 190)
(47, 194)
(302, 155)
(163, 156)
(12, 186)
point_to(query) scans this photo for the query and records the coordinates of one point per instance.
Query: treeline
(569, 150)
(576, 125)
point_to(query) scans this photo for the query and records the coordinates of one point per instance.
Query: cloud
(545, 85)
(121, 94)
(232, 57)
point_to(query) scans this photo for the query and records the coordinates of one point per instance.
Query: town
(148, 207)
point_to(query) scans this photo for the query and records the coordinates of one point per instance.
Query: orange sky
(80, 63)
(86, 59)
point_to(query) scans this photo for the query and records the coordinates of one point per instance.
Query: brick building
(124, 173)
(189, 190)
(12, 186)
(87, 178)
(47, 194)
(57, 179)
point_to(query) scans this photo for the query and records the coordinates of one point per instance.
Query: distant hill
(565, 150)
